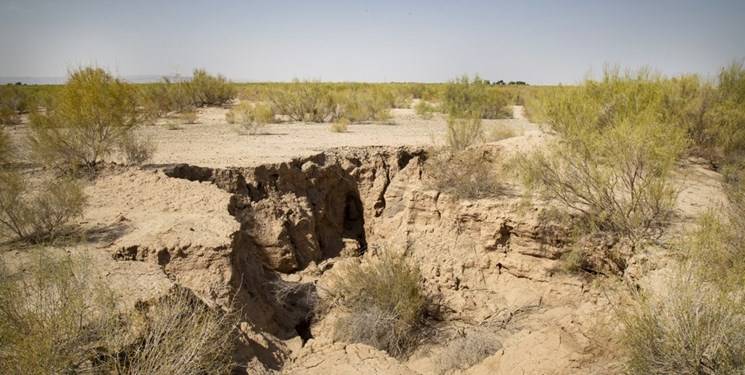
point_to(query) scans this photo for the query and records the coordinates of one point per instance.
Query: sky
(540, 42)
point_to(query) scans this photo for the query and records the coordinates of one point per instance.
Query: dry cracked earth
(237, 232)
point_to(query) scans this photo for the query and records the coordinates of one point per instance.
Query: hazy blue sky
(536, 41)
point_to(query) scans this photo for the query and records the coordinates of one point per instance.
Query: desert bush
(613, 161)
(57, 317)
(54, 317)
(383, 301)
(726, 116)
(424, 109)
(465, 174)
(137, 149)
(93, 114)
(14, 101)
(304, 101)
(42, 214)
(253, 117)
(207, 89)
(339, 126)
(690, 327)
(463, 132)
(178, 334)
(6, 148)
(466, 98)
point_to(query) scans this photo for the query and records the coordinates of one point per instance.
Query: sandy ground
(214, 143)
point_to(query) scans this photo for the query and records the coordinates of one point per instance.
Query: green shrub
(466, 98)
(304, 101)
(93, 114)
(614, 159)
(365, 105)
(42, 214)
(383, 302)
(252, 117)
(424, 110)
(465, 174)
(14, 101)
(463, 132)
(727, 115)
(207, 89)
(688, 328)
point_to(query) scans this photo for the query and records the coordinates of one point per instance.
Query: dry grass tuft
(467, 174)
(383, 302)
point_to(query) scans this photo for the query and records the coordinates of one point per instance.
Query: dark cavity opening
(354, 221)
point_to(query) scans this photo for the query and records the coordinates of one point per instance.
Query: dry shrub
(54, 317)
(725, 120)
(14, 100)
(253, 117)
(690, 327)
(463, 132)
(466, 351)
(339, 126)
(137, 150)
(613, 161)
(93, 114)
(466, 98)
(304, 101)
(41, 214)
(365, 105)
(179, 334)
(6, 148)
(207, 89)
(383, 302)
(424, 110)
(467, 174)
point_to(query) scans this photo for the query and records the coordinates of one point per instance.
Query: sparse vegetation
(179, 335)
(463, 132)
(58, 317)
(137, 149)
(688, 328)
(466, 98)
(40, 214)
(53, 317)
(6, 148)
(253, 117)
(383, 302)
(424, 110)
(613, 161)
(303, 101)
(92, 116)
(465, 174)
(14, 101)
(207, 89)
